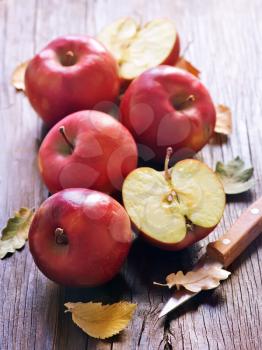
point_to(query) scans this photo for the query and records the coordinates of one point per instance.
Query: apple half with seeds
(137, 49)
(177, 207)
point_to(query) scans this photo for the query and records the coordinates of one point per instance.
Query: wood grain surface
(224, 39)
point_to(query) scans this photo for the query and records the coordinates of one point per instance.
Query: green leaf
(15, 233)
(234, 177)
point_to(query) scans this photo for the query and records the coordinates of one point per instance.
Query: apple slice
(138, 49)
(177, 207)
(117, 36)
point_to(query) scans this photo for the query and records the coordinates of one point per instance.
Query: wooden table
(225, 43)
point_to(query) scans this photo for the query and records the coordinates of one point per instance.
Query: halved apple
(118, 35)
(175, 208)
(137, 49)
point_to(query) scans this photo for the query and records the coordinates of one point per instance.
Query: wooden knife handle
(247, 228)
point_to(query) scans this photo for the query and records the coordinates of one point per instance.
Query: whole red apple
(88, 149)
(80, 237)
(167, 106)
(70, 74)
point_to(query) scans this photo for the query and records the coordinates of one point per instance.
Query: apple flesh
(80, 237)
(175, 209)
(167, 106)
(71, 73)
(94, 151)
(137, 49)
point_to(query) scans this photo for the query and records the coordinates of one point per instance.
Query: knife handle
(246, 229)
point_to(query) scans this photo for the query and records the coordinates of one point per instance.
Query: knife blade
(225, 250)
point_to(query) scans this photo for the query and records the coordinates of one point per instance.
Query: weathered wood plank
(226, 47)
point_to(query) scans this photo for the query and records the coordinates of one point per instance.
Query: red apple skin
(191, 237)
(55, 89)
(104, 153)
(147, 110)
(98, 236)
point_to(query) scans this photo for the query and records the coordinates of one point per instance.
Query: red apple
(88, 149)
(167, 106)
(70, 74)
(80, 237)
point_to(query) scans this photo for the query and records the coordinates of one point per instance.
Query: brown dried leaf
(224, 120)
(203, 278)
(186, 65)
(18, 76)
(101, 321)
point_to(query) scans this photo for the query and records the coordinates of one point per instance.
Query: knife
(225, 250)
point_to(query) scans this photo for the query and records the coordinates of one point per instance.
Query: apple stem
(189, 224)
(60, 236)
(190, 98)
(69, 59)
(169, 152)
(63, 133)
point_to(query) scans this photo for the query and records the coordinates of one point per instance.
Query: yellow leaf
(223, 120)
(15, 234)
(101, 321)
(18, 76)
(186, 65)
(203, 278)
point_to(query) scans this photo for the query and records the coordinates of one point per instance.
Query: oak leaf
(101, 321)
(223, 120)
(235, 178)
(18, 76)
(15, 234)
(186, 65)
(202, 278)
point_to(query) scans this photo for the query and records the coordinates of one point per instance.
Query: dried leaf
(223, 120)
(186, 65)
(101, 321)
(234, 177)
(18, 76)
(202, 278)
(15, 234)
